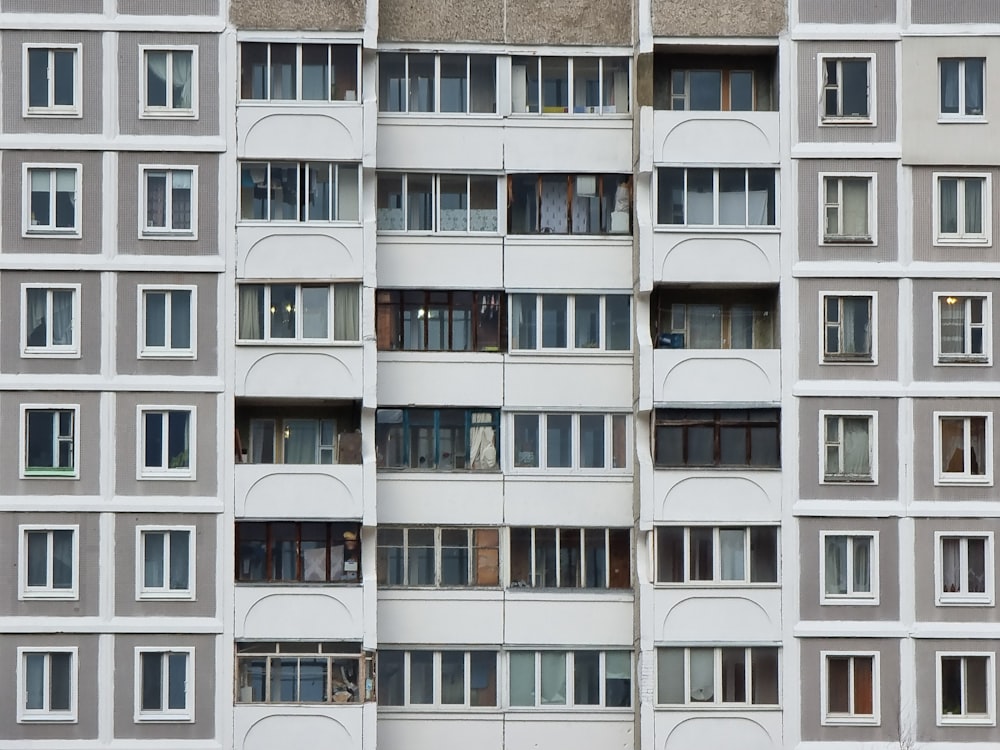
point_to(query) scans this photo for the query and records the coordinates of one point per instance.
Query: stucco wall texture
(743, 18)
(298, 15)
(608, 22)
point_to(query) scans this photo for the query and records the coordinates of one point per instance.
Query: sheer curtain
(855, 325)
(62, 317)
(973, 205)
(835, 563)
(36, 323)
(553, 686)
(252, 312)
(948, 206)
(262, 441)
(182, 80)
(482, 435)
(951, 563)
(856, 451)
(153, 549)
(732, 543)
(855, 211)
(301, 438)
(346, 312)
(862, 565)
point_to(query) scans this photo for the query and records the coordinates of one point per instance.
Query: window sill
(168, 354)
(180, 236)
(963, 242)
(963, 362)
(184, 477)
(164, 719)
(849, 601)
(842, 480)
(984, 481)
(50, 596)
(717, 228)
(866, 122)
(168, 114)
(144, 596)
(850, 721)
(50, 354)
(946, 721)
(49, 474)
(47, 719)
(52, 113)
(837, 241)
(963, 601)
(962, 119)
(52, 234)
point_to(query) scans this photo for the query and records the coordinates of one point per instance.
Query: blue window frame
(438, 439)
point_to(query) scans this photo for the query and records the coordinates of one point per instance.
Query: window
(578, 322)
(320, 433)
(291, 191)
(167, 322)
(965, 689)
(49, 564)
(849, 447)
(50, 202)
(273, 71)
(47, 684)
(717, 555)
(705, 677)
(49, 441)
(850, 689)
(170, 85)
(268, 672)
(437, 678)
(717, 438)
(166, 560)
(964, 209)
(727, 83)
(962, 87)
(717, 319)
(571, 442)
(437, 439)
(170, 199)
(706, 197)
(300, 313)
(52, 81)
(167, 444)
(436, 203)
(438, 557)
(848, 328)
(51, 316)
(964, 568)
(569, 204)
(849, 567)
(439, 320)
(963, 328)
(423, 82)
(848, 209)
(570, 558)
(848, 90)
(964, 446)
(164, 684)
(570, 678)
(298, 552)
(577, 85)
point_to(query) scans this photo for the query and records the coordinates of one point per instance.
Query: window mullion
(716, 186)
(534, 573)
(687, 554)
(438, 549)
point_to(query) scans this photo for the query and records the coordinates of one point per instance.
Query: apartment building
(394, 374)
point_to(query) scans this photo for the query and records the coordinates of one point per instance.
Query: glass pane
(670, 676)
(421, 83)
(180, 542)
(454, 83)
(38, 77)
(156, 79)
(180, 319)
(483, 678)
(522, 678)
(315, 72)
(553, 688)
(706, 90)
(554, 321)
(151, 665)
(734, 686)
(421, 677)
(390, 678)
(453, 677)
(702, 666)
(559, 440)
(741, 91)
(154, 553)
(838, 684)
(854, 88)
(64, 83)
(701, 542)
(526, 440)
(283, 83)
(618, 680)
(177, 689)
(59, 680)
(586, 678)
(587, 324)
(315, 312)
(592, 441)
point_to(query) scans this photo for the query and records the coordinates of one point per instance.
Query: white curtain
(951, 565)
(482, 435)
(854, 216)
(153, 554)
(301, 439)
(62, 317)
(251, 311)
(182, 80)
(855, 325)
(855, 446)
(862, 565)
(732, 543)
(346, 312)
(36, 323)
(835, 563)
(553, 678)
(952, 327)
(262, 441)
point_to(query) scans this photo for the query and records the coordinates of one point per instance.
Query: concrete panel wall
(718, 18)
(344, 15)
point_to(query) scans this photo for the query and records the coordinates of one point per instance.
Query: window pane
(701, 543)
(421, 83)
(151, 665)
(702, 680)
(179, 559)
(177, 689)
(315, 312)
(587, 323)
(764, 676)
(390, 678)
(453, 677)
(454, 557)
(700, 196)
(282, 311)
(977, 685)
(592, 441)
(454, 83)
(63, 84)
(586, 678)
(283, 85)
(522, 678)
(554, 321)
(732, 548)
(34, 681)
(154, 439)
(483, 678)
(949, 86)
(154, 555)
(838, 684)
(732, 197)
(559, 440)
(38, 78)
(180, 319)
(670, 676)
(60, 676)
(421, 677)
(706, 90)
(553, 688)
(526, 440)
(854, 88)
(315, 72)
(734, 687)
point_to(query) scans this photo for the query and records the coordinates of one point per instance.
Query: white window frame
(25, 473)
(297, 100)
(950, 598)
(50, 351)
(51, 110)
(48, 591)
(823, 120)
(717, 703)
(851, 598)
(575, 444)
(165, 714)
(962, 238)
(166, 352)
(716, 225)
(960, 116)
(841, 358)
(163, 592)
(186, 473)
(965, 477)
(569, 664)
(300, 219)
(167, 233)
(987, 720)
(50, 231)
(839, 240)
(842, 478)
(829, 719)
(950, 360)
(570, 318)
(298, 340)
(26, 715)
(717, 581)
(150, 112)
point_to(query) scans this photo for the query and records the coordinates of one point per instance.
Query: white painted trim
(188, 473)
(825, 240)
(956, 478)
(166, 715)
(47, 592)
(944, 599)
(871, 598)
(824, 121)
(984, 240)
(836, 360)
(24, 473)
(970, 360)
(24, 715)
(872, 446)
(830, 720)
(51, 111)
(146, 233)
(51, 232)
(947, 720)
(54, 351)
(167, 113)
(959, 117)
(165, 592)
(144, 352)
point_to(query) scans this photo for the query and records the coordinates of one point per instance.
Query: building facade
(395, 374)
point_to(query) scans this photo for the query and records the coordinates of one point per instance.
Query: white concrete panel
(320, 612)
(557, 381)
(277, 491)
(282, 251)
(336, 727)
(449, 617)
(584, 263)
(567, 145)
(299, 371)
(688, 730)
(683, 257)
(459, 498)
(570, 729)
(717, 615)
(550, 499)
(534, 618)
(438, 262)
(716, 376)
(287, 131)
(721, 496)
(445, 378)
(713, 138)
(442, 729)
(440, 144)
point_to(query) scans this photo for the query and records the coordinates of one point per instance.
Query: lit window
(167, 322)
(166, 563)
(849, 447)
(170, 85)
(964, 568)
(964, 447)
(703, 555)
(965, 689)
(296, 672)
(52, 81)
(570, 558)
(964, 209)
(51, 205)
(164, 684)
(704, 677)
(49, 561)
(962, 87)
(850, 694)
(570, 678)
(47, 685)
(848, 209)
(963, 330)
(706, 197)
(848, 89)
(49, 441)
(51, 320)
(312, 313)
(848, 328)
(170, 199)
(437, 678)
(166, 447)
(571, 322)
(285, 71)
(438, 557)
(849, 567)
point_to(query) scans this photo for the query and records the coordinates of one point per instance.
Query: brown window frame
(488, 307)
(718, 420)
(334, 531)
